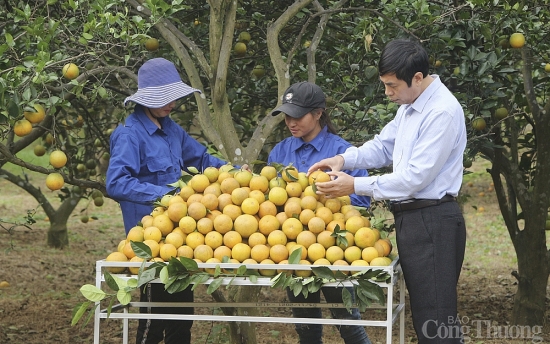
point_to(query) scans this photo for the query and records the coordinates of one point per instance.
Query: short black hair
(404, 58)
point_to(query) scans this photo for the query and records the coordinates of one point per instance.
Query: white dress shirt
(425, 143)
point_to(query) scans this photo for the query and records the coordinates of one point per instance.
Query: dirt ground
(44, 283)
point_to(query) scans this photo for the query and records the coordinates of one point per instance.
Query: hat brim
(293, 110)
(159, 96)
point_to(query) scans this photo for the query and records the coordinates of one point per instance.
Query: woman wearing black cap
(314, 138)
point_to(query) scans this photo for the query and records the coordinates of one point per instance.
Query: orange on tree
(70, 71)
(58, 159)
(54, 181)
(517, 40)
(151, 44)
(22, 127)
(35, 116)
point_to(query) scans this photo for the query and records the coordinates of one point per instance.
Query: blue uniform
(145, 159)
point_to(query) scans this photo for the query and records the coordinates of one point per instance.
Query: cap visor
(292, 110)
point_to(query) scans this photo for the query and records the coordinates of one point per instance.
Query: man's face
(398, 91)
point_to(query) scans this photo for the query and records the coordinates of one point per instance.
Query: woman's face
(307, 127)
(163, 111)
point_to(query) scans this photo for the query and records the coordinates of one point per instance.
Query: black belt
(413, 204)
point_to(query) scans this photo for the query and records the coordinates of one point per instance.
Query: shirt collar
(149, 126)
(425, 96)
(317, 142)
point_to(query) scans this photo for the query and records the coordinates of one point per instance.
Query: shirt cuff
(350, 158)
(364, 186)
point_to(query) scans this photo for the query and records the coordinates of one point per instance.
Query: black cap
(300, 99)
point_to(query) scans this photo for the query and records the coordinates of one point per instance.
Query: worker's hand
(342, 184)
(334, 164)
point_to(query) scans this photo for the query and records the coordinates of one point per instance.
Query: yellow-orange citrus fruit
(243, 177)
(369, 253)
(163, 223)
(303, 273)
(364, 237)
(290, 174)
(194, 239)
(194, 198)
(221, 252)
(116, 257)
(39, 150)
(380, 261)
(335, 253)
(245, 225)
(223, 223)
(267, 208)
(199, 182)
(213, 189)
(151, 44)
(205, 225)
(223, 200)
(210, 201)
(479, 123)
(213, 239)
(326, 239)
(177, 210)
(238, 195)
(240, 252)
(154, 246)
(70, 71)
(203, 252)
(135, 234)
(212, 173)
(228, 185)
(318, 177)
(324, 213)
(259, 252)
(135, 270)
(302, 248)
(233, 211)
(185, 251)
(292, 227)
(316, 225)
(250, 206)
(174, 239)
(256, 238)
(196, 210)
(260, 183)
(315, 251)
(54, 181)
(306, 238)
(268, 224)
(232, 238)
(168, 251)
(35, 116)
(352, 254)
(292, 208)
(278, 253)
(128, 250)
(305, 216)
(517, 40)
(293, 189)
(383, 247)
(185, 192)
(267, 272)
(277, 237)
(269, 172)
(22, 127)
(187, 224)
(354, 223)
(152, 233)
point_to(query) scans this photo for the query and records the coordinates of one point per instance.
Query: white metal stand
(394, 308)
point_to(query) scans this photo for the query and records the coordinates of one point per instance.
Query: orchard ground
(44, 282)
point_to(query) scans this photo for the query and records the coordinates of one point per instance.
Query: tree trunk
(57, 233)
(532, 276)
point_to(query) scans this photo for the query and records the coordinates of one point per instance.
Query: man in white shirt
(424, 143)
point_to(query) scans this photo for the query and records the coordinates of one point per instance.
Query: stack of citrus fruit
(257, 219)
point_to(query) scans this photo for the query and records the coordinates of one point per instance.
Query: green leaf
(217, 271)
(79, 312)
(189, 264)
(164, 276)
(146, 277)
(124, 297)
(111, 282)
(214, 285)
(92, 293)
(323, 272)
(141, 250)
(253, 278)
(347, 299)
(241, 270)
(295, 256)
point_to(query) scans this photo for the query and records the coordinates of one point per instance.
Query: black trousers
(431, 242)
(153, 331)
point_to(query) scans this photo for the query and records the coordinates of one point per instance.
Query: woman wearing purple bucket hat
(148, 152)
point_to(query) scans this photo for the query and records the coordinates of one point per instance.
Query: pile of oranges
(236, 216)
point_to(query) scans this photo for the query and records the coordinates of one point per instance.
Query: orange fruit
(292, 208)
(233, 211)
(259, 252)
(353, 223)
(223, 223)
(163, 223)
(326, 239)
(116, 257)
(315, 251)
(185, 192)
(278, 195)
(277, 237)
(245, 225)
(306, 239)
(152, 233)
(229, 184)
(260, 183)
(324, 213)
(203, 252)
(199, 182)
(293, 189)
(54, 181)
(517, 40)
(213, 189)
(221, 252)
(210, 201)
(168, 251)
(240, 252)
(238, 195)
(270, 172)
(187, 224)
(364, 237)
(369, 253)
(292, 227)
(290, 174)
(205, 225)
(70, 71)
(196, 210)
(258, 196)
(223, 200)
(278, 253)
(250, 206)
(185, 251)
(58, 159)
(154, 246)
(232, 238)
(135, 234)
(212, 173)
(135, 270)
(177, 210)
(303, 273)
(256, 238)
(243, 177)
(335, 253)
(305, 216)
(352, 254)
(268, 224)
(35, 116)
(194, 239)
(316, 225)
(174, 239)
(213, 239)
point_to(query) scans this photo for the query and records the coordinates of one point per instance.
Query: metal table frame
(394, 308)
